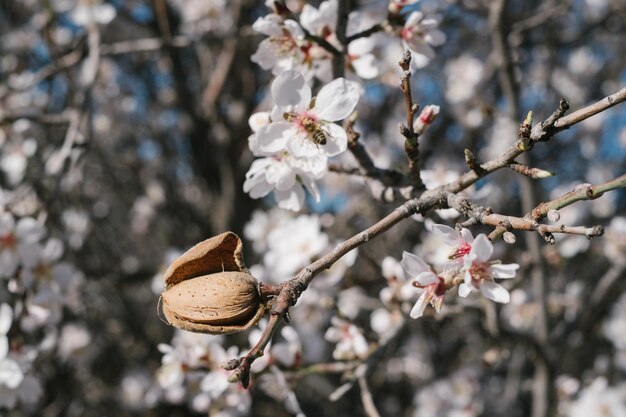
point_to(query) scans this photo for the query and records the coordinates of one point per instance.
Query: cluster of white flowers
(599, 399)
(351, 343)
(287, 48)
(16, 151)
(36, 284)
(296, 139)
(456, 395)
(284, 252)
(469, 260)
(190, 372)
(419, 34)
(45, 281)
(39, 286)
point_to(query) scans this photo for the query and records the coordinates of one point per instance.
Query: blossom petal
(419, 47)
(413, 19)
(427, 278)
(294, 29)
(290, 199)
(256, 183)
(495, 292)
(7, 223)
(464, 290)
(467, 236)
(257, 189)
(336, 100)
(435, 37)
(274, 137)
(482, 248)
(4, 347)
(268, 25)
(308, 17)
(290, 89)
(361, 46)
(449, 235)
(504, 271)
(413, 264)
(366, 66)
(265, 55)
(29, 230)
(258, 120)
(314, 167)
(6, 316)
(336, 140)
(418, 309)
(311, 187)
(301, 146)
(10, 374)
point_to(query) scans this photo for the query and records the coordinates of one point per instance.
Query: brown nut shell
(209, 290)
(217, 254)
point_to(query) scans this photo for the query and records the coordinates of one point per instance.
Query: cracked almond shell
(209, 289)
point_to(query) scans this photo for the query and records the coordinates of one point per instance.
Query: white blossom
(350, 341)
(293, 244)
(11, 375)
(433, 287)
(284, 48)
(460, 241)
(480, 273)
(419, 34)
(307, 127)
(600, 399)
(87, 12)
(16, 241)
(287, 177)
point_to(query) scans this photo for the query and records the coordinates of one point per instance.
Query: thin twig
(365, 33)
(579, 193)
(586, 112)
(366, 395)
(478, 214)
(411, 143)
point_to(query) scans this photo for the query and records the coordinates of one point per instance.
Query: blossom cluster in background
(297, 137)
(38, 286)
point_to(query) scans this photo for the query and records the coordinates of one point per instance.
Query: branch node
(523, 134)
(405, 61)
(595, 231)
(472, 163)
(534, 173)
(405, 131)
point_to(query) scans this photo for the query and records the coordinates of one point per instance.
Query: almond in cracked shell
(209, 290)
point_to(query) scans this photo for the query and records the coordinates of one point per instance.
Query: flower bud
(209, 289)
(553, 215)
(509, 238)
(426, 117)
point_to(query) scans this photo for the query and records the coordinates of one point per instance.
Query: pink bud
(426, 117)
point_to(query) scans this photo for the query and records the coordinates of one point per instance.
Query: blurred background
(124, 141)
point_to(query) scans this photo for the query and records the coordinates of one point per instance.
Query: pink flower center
(426, 116)
(285, 43)
(434, 292)
(461, 251)
(7, 241)
(479, 271)
(306, 121)
(436, 288)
